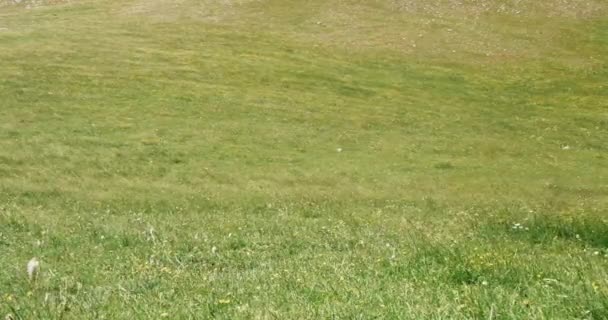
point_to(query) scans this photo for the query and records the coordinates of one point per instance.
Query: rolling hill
(258, 159)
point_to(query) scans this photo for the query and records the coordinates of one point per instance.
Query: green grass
(304, 159)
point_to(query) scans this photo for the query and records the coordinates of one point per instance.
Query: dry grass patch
(33, 3)
(475, 8)
(213, 11)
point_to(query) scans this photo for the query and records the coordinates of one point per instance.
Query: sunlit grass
(317, 159)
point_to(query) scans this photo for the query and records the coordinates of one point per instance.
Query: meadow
(320, 159)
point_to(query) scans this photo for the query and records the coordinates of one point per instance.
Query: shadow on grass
(586, 229)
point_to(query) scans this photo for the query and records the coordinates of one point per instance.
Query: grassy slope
(136, 136)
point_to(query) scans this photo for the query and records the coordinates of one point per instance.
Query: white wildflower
(518, 226)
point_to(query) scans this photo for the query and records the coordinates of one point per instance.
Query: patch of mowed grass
(269, 159)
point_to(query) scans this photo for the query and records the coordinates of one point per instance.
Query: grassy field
(321, 159)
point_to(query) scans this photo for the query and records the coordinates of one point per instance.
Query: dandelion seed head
(33, 266)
